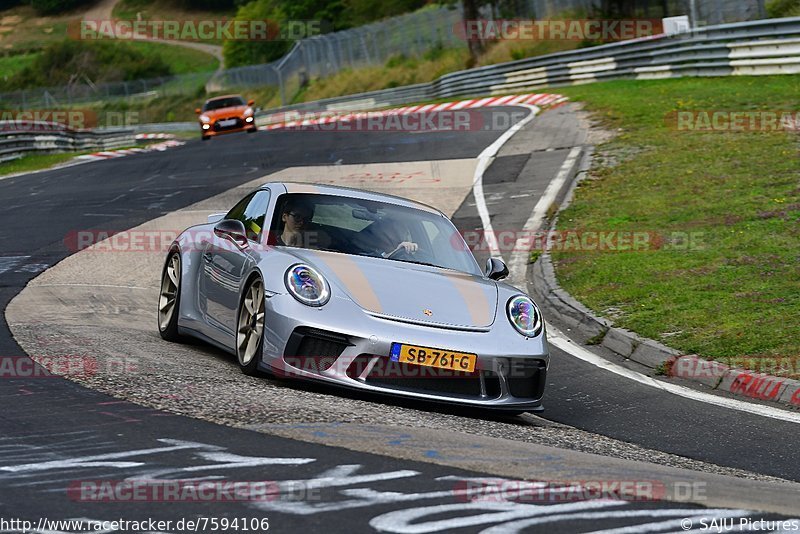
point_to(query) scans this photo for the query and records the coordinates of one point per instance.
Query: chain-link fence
(373, 44)
(89, 94)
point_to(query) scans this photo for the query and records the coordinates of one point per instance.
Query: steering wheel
(419, 255)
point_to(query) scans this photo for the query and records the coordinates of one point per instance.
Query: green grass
(181, 60)
(10, 65)
(736, 296)
(35, 162)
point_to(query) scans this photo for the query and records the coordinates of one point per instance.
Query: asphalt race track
(55, 432)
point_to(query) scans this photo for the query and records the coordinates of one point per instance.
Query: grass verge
(736, 292)
(35, 162)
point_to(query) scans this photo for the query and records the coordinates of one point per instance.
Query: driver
(390, 237)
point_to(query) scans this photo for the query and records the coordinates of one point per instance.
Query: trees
(471, 13)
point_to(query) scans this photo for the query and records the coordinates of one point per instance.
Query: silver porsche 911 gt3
(357, 289)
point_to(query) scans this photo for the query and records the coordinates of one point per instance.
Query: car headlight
(248, 112)
(307, 285)
(524, 316)
(205, 118)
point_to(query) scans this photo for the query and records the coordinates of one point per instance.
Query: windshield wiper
(423, 263)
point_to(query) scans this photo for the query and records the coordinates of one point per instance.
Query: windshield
(370, 228)
(219, 103)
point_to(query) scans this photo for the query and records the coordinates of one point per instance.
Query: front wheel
(169, 299)
(250, 328)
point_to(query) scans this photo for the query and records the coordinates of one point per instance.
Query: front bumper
(341, 344)
(241, 125)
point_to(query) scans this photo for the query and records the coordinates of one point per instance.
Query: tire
(169, 298)
(250, 328)
(205, 137)
(252, 130)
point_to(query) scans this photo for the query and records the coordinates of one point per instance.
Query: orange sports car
(224, 114)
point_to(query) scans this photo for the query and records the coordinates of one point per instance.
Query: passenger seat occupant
(295, 218)
(298, 228)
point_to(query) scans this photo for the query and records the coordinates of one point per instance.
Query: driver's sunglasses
(299, 217)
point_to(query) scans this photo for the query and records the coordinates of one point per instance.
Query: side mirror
(197, 110)
(232, 229)
(496, 269)
(251, 102)
(216, 217)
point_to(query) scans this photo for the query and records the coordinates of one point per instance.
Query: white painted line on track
(521, 525)
(484, 159)
(10, 262)
(558, 339)
(518, 263)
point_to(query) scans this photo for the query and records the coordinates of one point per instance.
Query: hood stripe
(353, 278)
(478, 304)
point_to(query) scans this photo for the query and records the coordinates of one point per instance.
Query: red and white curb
(326, 117)
(154, 136)
(110, 154)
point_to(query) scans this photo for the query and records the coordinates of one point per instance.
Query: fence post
(364, 47)
(280, 85)
(351, 58)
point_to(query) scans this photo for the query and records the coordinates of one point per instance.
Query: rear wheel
(169, 299)
(250, 328)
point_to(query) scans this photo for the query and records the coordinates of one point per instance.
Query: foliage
(239, 53)
(332, 15)
(68, 61)
(50, 7)
(783, 8)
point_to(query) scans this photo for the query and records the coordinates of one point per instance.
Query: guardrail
(762, 47)
(18, 139)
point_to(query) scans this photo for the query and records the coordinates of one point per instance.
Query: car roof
(223, 97)
(336, 190)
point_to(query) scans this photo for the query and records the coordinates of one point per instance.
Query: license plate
(441, 359)
(227, 122)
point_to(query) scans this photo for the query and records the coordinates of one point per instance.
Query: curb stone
(591, 329)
